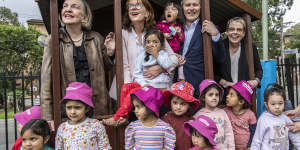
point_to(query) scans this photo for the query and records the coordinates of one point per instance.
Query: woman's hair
(37, 126)
(275, 89)
(180, 16)
(237, 19)
(87, 13)
(149, 21)
(149, 111)
(158, 34)
(246, 105)
(89, 114)
(193, 131)
(202, 96)
(190, 110)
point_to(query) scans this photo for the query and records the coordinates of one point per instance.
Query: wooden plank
(207, 46)
(119, 67)
(245, 7)
(55, 63)
(249, 55)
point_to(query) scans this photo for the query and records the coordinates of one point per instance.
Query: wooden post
(207, 46)
(55, 63)
(249, 55)
(119, 67)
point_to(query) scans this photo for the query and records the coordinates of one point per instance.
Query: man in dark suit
(193, 69)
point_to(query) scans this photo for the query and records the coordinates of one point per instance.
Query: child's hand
(110, 43)
(178, 31)
(152, 50)
(110, 121)
(51, 125)
(122, 121)
(167, 36)
(248, 148)
(181, 60)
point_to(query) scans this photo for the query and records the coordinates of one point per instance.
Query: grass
(10, 114)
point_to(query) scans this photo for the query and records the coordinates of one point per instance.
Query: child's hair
(149, 111)
(193, 131)
(180, 16)
(37, 126)
(246, 105)
(158, 34)
(202, 96)
(275, 89)
(89, 114)
(190, 110)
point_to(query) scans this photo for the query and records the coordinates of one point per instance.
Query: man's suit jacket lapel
(197, 34)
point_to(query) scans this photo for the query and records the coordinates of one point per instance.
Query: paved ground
(11, 134)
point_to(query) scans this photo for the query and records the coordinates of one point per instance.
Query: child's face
(171, 13)
(139, 109)
(31, 141)
(152, 44)
(76, 111)
(211, 98)
(232, 98)
(179, 106)
(275, 104)
(198, 141)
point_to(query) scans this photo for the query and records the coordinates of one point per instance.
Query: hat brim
(189, 124)
(78, 97)
(236, 89)
(188, 98)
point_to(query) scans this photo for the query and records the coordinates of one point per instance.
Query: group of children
(209, 128)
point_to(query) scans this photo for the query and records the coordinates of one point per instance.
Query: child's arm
(169, 139)
(164, 60)
(252, 127)
(103, 142)
(59, 141)
(129, 137)
(259, 134)
(294, 137)
(138, 72)
(229, 137)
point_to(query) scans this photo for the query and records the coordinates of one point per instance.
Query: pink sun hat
(79, 92)
(32, 113)
(151, 97)
(245, 89)
(206, 83)
(205, 126)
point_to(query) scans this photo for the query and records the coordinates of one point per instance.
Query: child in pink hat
(202, 130)
(210, 95)
(243, 120)
(182, 103)
(80, 131)
(22, 118)
(148, 132)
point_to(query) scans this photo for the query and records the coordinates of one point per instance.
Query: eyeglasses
(136, 6)
(238, 30)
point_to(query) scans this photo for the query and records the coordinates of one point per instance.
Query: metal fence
(17, 93)
(288, 76)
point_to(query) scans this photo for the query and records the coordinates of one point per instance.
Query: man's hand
(210, 28)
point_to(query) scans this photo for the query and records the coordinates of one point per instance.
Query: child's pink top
(224, 138)
(175, 42)
(240, 125)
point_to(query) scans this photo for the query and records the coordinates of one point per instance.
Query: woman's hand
(210, 28)
(153, 71)
(167, 36)
(254, 83)
(225, 83)
(293, 113)
(181, 60)
(294, 127)
(110, 43)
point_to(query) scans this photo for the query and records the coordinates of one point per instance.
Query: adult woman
(83, 58)
(235, 66)
(138, 18)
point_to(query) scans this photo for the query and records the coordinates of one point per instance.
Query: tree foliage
(8, 17)
(19, 49)
(294, 41)
(276, 10)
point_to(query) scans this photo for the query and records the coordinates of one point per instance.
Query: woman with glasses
(138, 18)
(235, 67)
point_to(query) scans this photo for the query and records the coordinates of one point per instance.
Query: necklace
(78, 39)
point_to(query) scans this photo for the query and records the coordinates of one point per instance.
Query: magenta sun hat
(205, 126)
(79, 91)
(32, 113)
(206, 83)
(151, 97)
(245, 89)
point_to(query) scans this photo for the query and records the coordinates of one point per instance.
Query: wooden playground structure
(108, 17)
